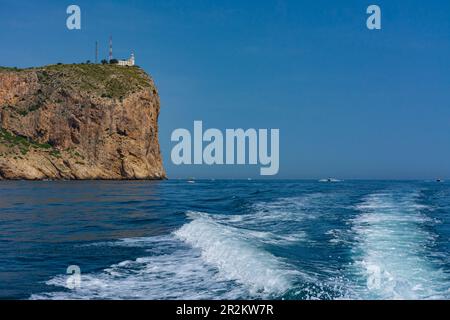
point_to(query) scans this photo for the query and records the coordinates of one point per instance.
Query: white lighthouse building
(130, 62)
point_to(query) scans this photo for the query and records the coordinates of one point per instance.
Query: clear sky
(349, 102)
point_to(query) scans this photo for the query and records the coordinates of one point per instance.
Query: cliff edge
(77, 122)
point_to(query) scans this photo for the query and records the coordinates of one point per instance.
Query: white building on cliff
(130, 62)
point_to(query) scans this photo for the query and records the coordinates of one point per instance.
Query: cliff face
(79, 122)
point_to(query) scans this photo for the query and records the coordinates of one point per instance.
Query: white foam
(210, 257)
(391, 252)
(237, 256)
(180, 274)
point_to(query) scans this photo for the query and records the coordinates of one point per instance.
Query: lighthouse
(130, 62)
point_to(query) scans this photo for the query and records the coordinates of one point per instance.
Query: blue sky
(349, 102)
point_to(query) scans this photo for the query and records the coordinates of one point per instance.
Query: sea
(225, 239)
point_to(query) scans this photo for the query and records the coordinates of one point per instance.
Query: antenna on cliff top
(96, 52)
(110, 49)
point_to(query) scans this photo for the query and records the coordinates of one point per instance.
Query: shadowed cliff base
(79, 122)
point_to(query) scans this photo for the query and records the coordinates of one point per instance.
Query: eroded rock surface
(80, 121)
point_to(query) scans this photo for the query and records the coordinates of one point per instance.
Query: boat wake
(393, 249)
(238, 255)
(209, 257)
(385, 251)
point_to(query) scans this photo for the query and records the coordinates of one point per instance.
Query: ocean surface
(225, 240)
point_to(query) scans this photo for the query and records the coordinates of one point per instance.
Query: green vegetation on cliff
(9, 69)
(24, 144)
(107, 81)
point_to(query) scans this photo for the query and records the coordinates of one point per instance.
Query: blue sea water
(226, 239)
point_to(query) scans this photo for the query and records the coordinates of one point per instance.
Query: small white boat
(329, 180)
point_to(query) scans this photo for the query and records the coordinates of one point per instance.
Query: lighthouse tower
(130, 62)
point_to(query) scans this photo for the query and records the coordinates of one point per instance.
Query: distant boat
(191, 180)
(329, 180)
(439, 180)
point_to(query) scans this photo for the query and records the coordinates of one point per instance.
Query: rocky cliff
(80, 121)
